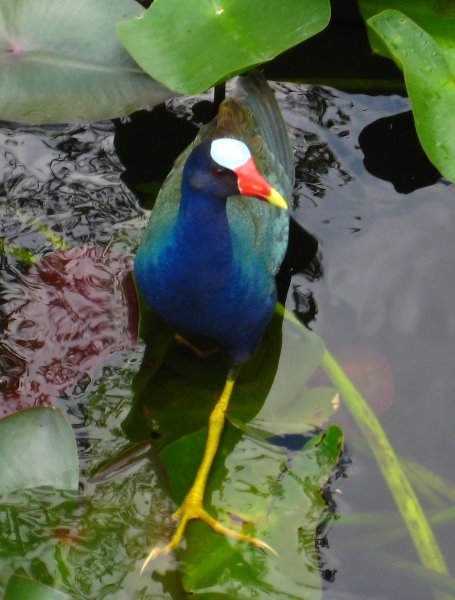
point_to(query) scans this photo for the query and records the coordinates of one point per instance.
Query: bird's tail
(253, 89)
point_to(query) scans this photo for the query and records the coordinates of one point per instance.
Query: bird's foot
(190, 509)
(181, 341)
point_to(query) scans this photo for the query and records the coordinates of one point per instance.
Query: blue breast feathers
(208, 259)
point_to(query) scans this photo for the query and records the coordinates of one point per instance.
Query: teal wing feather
(267, 137)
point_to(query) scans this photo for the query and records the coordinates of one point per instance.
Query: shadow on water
(407, 167)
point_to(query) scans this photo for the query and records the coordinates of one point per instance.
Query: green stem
(22, 254)
(388, 530)
(432, 487)
(392, 535)
(407, 502)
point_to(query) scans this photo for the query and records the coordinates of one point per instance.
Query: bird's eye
(219, 172)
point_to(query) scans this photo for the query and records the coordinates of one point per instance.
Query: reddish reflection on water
(72, 310)
(369, 370)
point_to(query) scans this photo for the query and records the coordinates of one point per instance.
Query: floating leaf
(190, 45)
(429, 72)
(22, 588)
(274, 497)
(125, 512)
(247, 478)
(188, 386)
(37, 447)
(60, 61)
(176, 390)
(312, 409)
(292, 407)
(73, 541)
(300, 356)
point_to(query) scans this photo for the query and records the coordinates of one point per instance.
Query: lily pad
(429, 72)
(60, 61)
(72, 542)
(291, 407)
(275, 497)
(312, 409)
(176, 390)
(37, 448)
(189, 45)
(22, 588)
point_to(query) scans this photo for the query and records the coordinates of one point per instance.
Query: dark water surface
(387, 263)
(379, 292)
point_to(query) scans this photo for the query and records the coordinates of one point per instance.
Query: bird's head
(224, 167)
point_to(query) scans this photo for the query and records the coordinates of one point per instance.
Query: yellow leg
(192, 506)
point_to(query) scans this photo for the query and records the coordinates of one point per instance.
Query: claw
(154, 553)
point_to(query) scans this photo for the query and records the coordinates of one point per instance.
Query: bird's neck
(203, 219)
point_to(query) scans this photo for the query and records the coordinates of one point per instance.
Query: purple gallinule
(216, 238)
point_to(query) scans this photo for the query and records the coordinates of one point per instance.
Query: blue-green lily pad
(277, 497)
(189, 45)
(37, 448)
(23, 588)
(61, 61)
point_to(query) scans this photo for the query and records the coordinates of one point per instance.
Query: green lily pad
(277, 498)
(22, 588)
(311, 409)
(176, 390)
(60, 61)
(429, 72)
(292, 407)
(37, 448)
(247, 476)
(92, 545)
(189, 45)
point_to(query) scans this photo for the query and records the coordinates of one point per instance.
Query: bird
(216, 238)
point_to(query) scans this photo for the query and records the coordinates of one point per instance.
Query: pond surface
(372, 274)
(384, 292)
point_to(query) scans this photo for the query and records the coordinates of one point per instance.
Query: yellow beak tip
(276, 199)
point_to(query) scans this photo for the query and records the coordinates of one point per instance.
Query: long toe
(189, 511)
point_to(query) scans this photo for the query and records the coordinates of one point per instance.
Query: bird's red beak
(251, 183)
